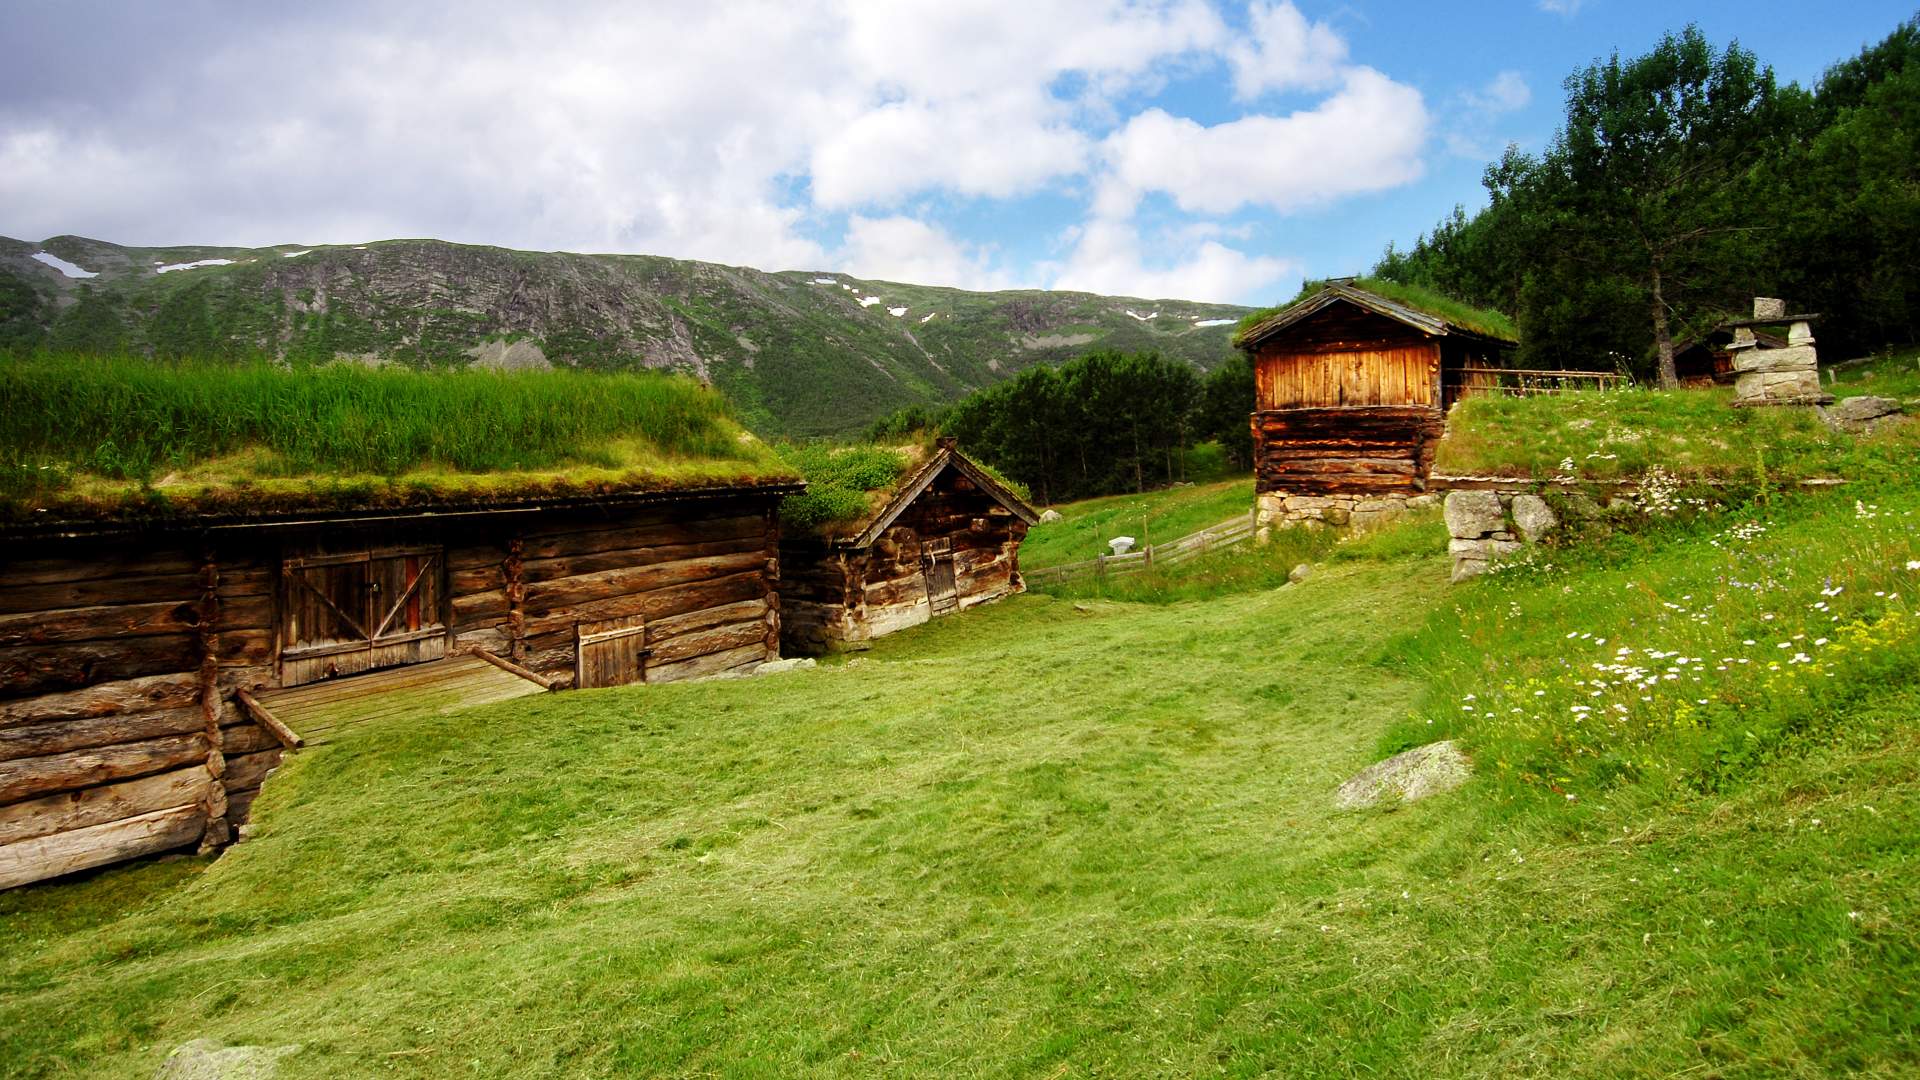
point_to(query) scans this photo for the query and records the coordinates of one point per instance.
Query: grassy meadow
(1160, 516)
(1077, 838)
(1691, 435)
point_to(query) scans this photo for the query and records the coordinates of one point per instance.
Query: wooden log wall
(116, 736)
(836, 596)
(1360, 451)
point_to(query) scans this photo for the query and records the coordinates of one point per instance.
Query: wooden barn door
(937, 557)
(356, 611)
(611, 652)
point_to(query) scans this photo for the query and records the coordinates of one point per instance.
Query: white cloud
(1504, 93)
(1109, 258)
(995, 147)
(1567, 8)
(1283, 51)
(1366, 137)
(909, 250)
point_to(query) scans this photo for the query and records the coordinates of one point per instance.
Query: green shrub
(839, 482)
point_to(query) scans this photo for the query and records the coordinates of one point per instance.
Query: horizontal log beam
(148, 694)
(82, 849)
(27, 777)
(61, 736)
(70, 810)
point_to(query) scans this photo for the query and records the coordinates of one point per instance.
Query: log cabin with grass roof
(1352, 383)
(165, 639)
(931, 533)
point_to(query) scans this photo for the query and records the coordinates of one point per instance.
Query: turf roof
(1454, 314)
(129, 440)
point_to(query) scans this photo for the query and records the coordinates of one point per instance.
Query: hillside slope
(1067, 839)
(798, 352)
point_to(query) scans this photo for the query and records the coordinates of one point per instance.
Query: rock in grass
(775, 667)
(1299, 574)
(1048, 517)
(1472, 514)
(1858, 414)
(204, 1059)
(1533, 517)
(1415, 774)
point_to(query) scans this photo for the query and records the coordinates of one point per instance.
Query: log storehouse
(945, 538)
(1351, 388)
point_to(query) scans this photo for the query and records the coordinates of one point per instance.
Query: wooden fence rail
(1226, 534)
(1523, 381)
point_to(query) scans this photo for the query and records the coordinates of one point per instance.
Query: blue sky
(1163, 148)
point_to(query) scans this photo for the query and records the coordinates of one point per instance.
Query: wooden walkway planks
(1235, 530)
(320, 711)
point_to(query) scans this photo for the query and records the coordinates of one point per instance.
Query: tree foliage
(1681, 184)
(1106, 422)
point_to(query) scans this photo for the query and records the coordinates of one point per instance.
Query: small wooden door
(360, 610)
(611, 652)
(937, 560)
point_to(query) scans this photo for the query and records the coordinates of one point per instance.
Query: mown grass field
(1159, 516)
(1083, 838)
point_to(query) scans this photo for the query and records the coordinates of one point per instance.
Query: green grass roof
(1482, 321)
(94, 438)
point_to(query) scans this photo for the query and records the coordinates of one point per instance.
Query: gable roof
(947, 457)
(1409, 310)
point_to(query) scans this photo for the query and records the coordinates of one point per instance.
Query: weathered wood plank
(632, 533)
(250, 770)
(82, 849)
(718, 639)
(512, 668)
(655, 604)
(540, 570)
(70, 810)
(545, 597)
(148, 694)
(40, 669)
(708, 664)
(27, 777)
(60, 736)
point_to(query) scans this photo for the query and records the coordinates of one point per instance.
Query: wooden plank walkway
(319, 712)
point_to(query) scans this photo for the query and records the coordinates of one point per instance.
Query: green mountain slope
(798, 352)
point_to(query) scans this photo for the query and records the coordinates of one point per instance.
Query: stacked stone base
(1486, 526)
(1280, 510)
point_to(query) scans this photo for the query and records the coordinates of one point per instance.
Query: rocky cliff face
(798, 352)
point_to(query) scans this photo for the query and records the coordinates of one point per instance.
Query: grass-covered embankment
(1049, 838)
(1159, 516)
(85, 432)
(1687, 434)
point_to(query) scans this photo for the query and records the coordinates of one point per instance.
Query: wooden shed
(132, 648)
(1351, 387)
(945, 538)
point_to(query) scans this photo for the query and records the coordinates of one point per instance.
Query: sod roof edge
(158, 515)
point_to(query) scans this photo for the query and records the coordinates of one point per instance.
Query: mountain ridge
(799, 352)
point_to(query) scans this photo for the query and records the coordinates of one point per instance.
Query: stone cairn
(1490, 525)
(1789, 376)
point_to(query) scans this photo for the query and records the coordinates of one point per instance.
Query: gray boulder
(1533, 517)
(1048, 517)
(1863, 413)
(205, 1059)
(1299, 574)
(1473, 514)
(1416, 774)
(776, 667)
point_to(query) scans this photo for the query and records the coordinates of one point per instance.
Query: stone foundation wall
(1490, 525)
(1279, 510)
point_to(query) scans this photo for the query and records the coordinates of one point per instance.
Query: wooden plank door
(937, 556)
(356, 611)
(611, 652)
